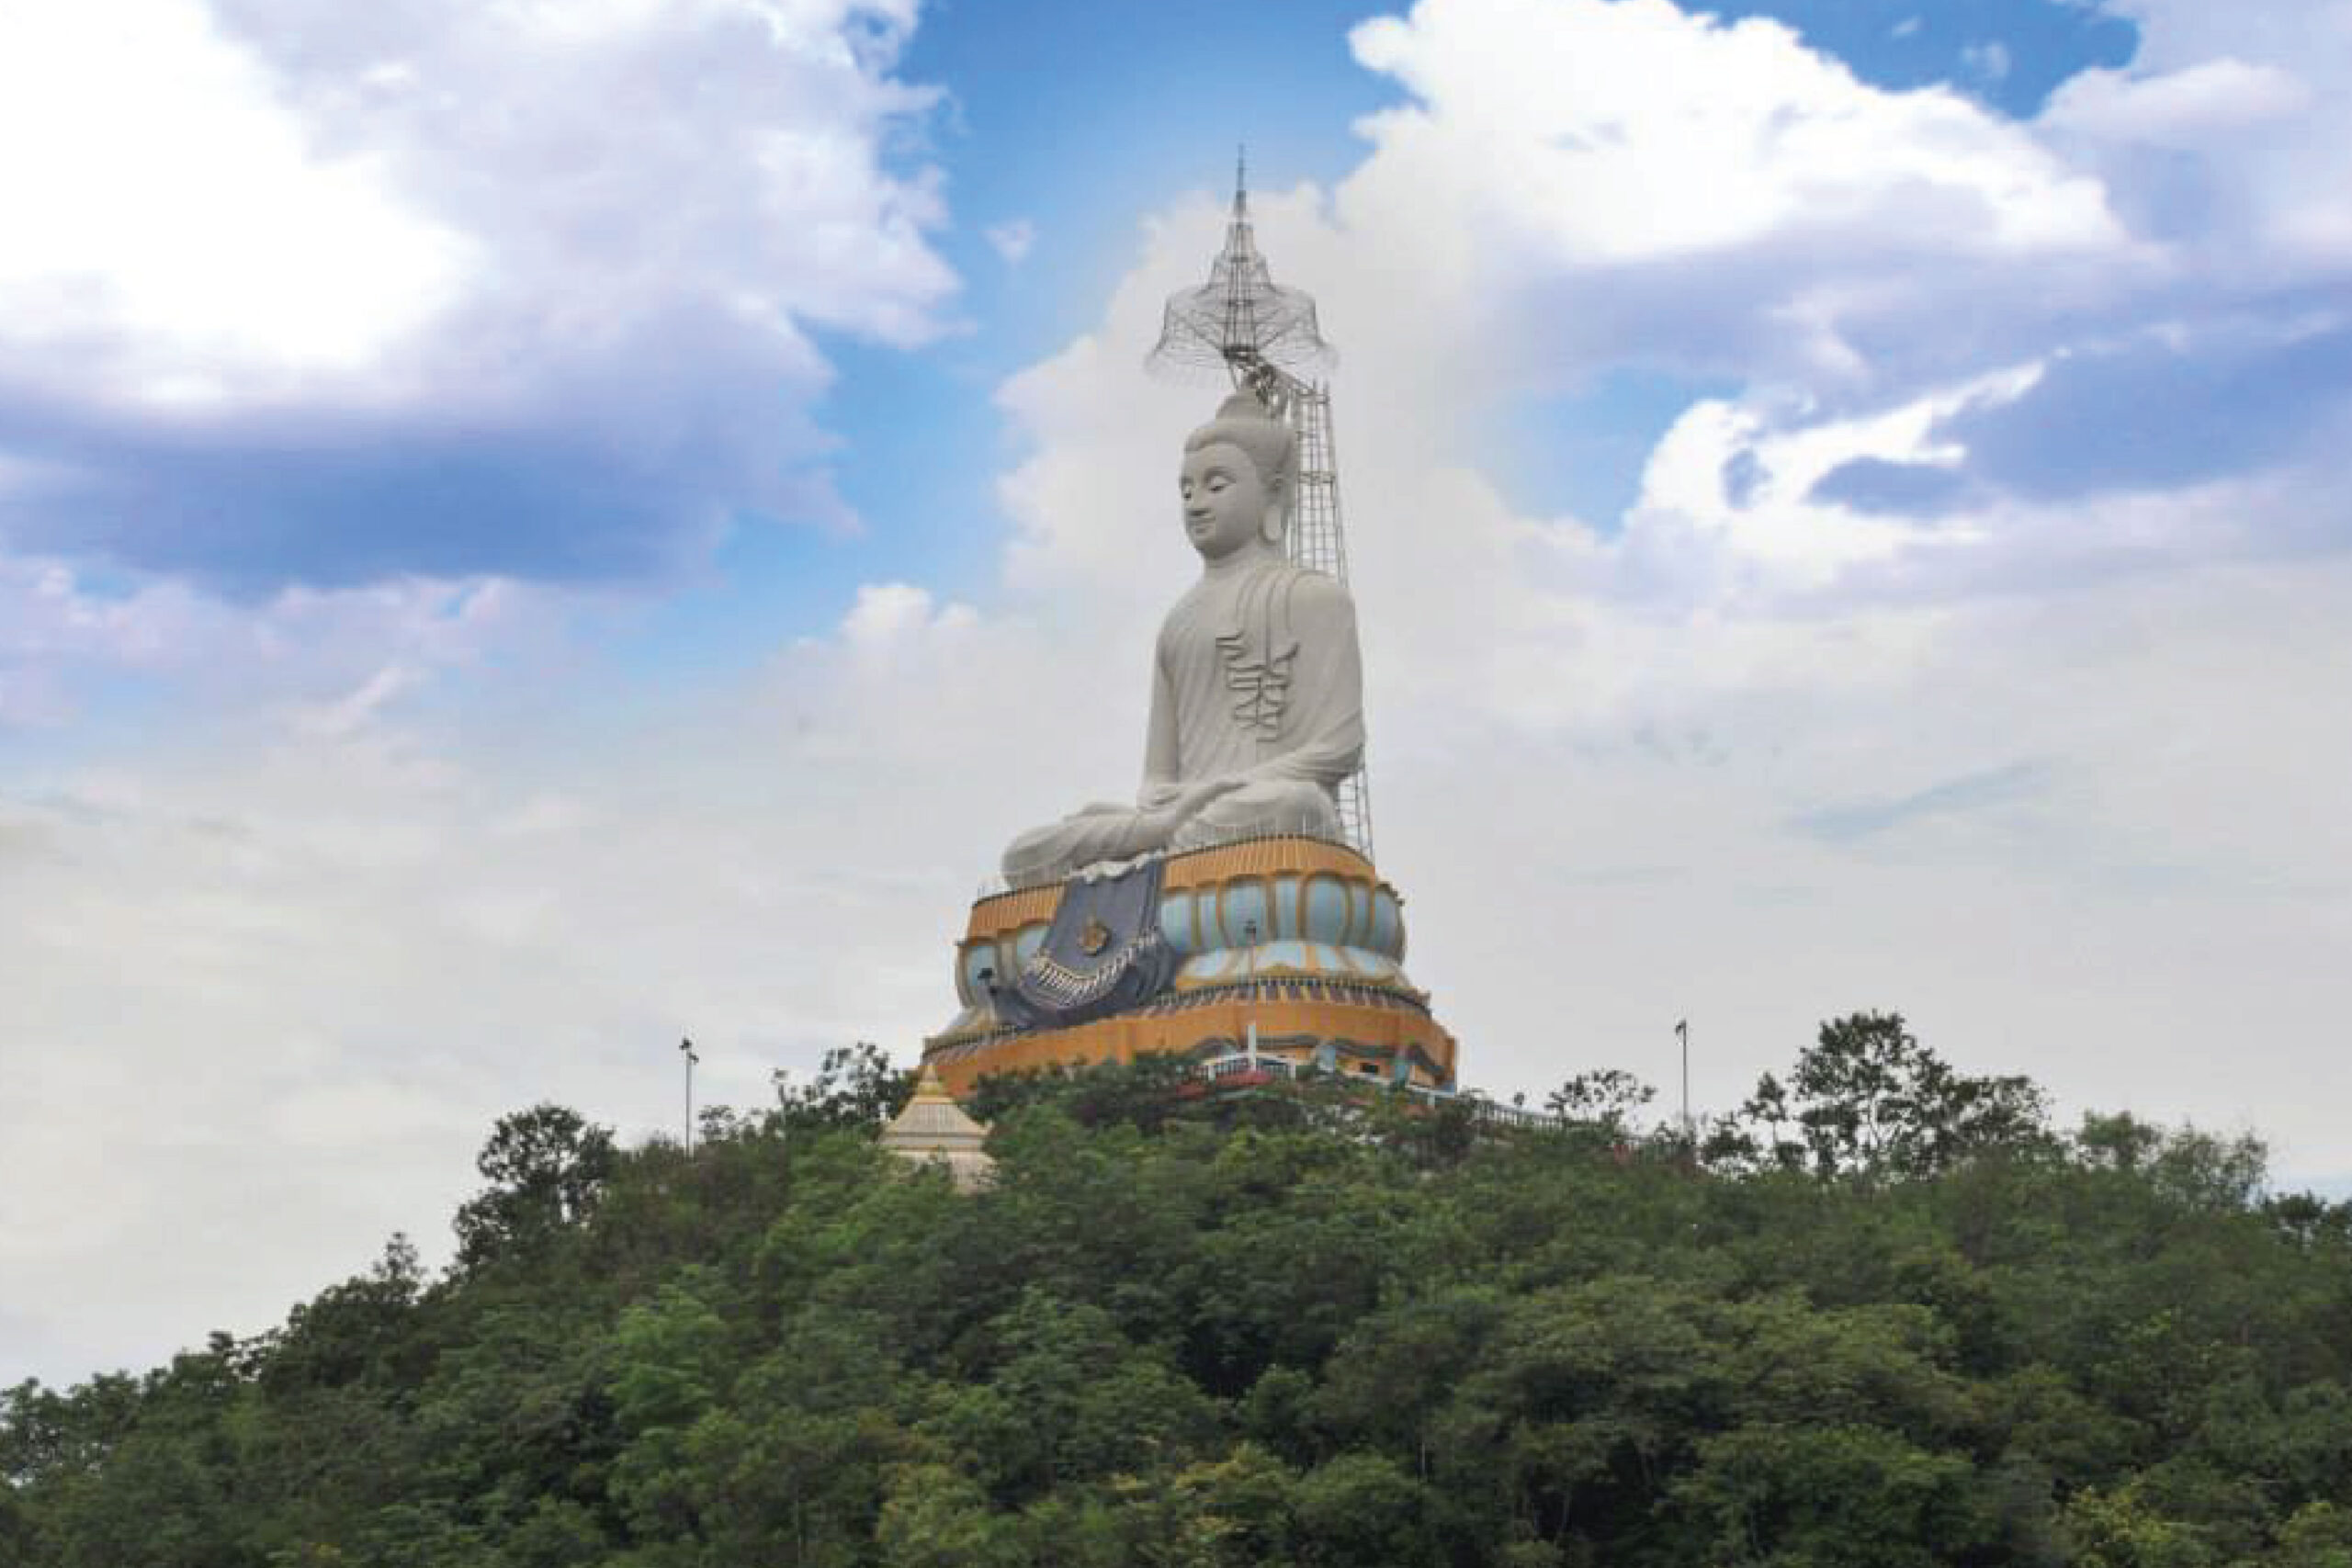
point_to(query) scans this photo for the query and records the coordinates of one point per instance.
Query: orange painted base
(1295, 1027)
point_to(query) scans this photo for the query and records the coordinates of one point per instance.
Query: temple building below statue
(1290, 946)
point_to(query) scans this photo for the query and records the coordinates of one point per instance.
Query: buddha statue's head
(1237, 477)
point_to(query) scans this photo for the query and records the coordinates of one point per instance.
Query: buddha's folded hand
(1181, 804)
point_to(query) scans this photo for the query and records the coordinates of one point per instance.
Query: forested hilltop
(1884, 1316)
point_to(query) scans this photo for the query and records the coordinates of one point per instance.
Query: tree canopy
(1884, 1316)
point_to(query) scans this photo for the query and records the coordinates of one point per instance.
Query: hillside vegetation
(1883, 1316)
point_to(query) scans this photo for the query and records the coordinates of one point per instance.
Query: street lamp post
(1250, 940)
(1682, 1032)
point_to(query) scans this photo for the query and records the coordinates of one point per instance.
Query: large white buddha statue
(1257, 689)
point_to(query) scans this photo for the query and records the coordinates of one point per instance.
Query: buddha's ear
(1278, 496)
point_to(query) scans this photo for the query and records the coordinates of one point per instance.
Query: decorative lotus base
(1293, 943)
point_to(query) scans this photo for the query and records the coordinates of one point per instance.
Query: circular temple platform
(1292, 947)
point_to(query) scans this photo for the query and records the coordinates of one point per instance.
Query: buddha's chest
(1231, 656)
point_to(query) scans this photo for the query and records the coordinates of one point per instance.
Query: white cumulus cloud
(176, 233)
(1013, 240)
(250, 201)
(1630, 179)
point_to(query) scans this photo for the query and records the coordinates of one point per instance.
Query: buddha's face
(1225, 500)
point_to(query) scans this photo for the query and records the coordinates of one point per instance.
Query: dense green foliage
(1884, 1317)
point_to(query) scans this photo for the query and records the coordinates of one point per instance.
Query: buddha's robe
(1256, 691)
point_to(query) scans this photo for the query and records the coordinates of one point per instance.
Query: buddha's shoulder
(1302, 592)
(1316, 594)
(1308, 586)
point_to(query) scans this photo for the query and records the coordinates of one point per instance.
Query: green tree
(671, 1360)
(2318, 1536)
(2117, 1529)
(937, 1518)
(1146, 1093)
(359, 1331)
(1831, 1496)
(856, 1086)
(1607, 1098)
(1360, 1511)
(546, 1167)
(1282, 1331)
(1867, 1098)
(1072, 1398)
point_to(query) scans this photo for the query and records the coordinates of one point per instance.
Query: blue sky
(529, 530)
(1162, 90)
(1053, 118)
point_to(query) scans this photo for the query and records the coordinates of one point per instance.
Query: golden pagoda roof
(933, 1127)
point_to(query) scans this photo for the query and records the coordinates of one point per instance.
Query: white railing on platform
(1246, 1064)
